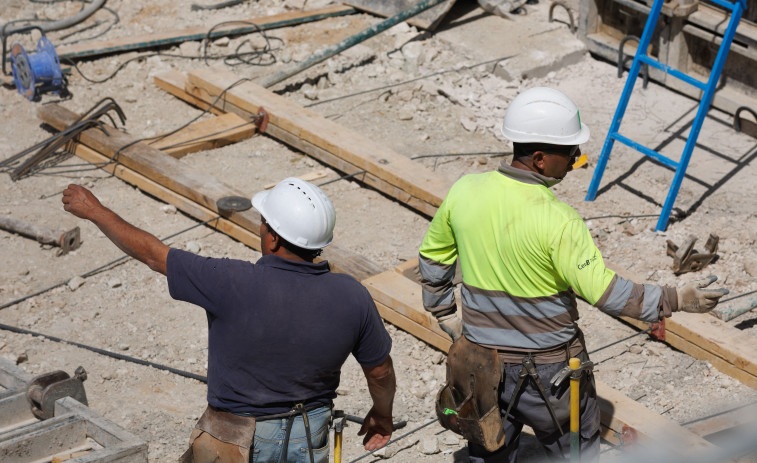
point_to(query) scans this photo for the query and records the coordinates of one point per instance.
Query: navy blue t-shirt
(279, 330)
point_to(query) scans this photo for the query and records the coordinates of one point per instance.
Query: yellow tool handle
(575, 381)
(338, 447)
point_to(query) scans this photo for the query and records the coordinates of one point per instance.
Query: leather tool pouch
(220, 434)
(468, 404)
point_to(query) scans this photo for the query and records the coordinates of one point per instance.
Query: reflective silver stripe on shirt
(435, 272)
(444, 298)
(650, 311)
(498, 319)
(514, 338)
(618, 298)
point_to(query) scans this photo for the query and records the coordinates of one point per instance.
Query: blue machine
(34, 73)
(38, 72)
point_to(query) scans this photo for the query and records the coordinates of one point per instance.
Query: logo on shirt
(588, 262)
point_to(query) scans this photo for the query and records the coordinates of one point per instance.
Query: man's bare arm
(133, 241)
(382, 385)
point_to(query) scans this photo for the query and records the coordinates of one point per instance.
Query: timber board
(347, 144)
(174, 83)
(205, 135)
(197, 186)
(428, 19)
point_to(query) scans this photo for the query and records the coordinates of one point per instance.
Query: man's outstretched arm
(133, 241)
(382, 385)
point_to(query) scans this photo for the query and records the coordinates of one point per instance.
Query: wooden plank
(183, 204)
(174, 83)
(196, 186)
(403, 297)
(705, 337)
(308, 177)
(123, 44)
(344, 143)
(205, 135)
(618, 410)
(428, 19)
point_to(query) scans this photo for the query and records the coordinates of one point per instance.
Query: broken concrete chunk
(468, 124)
(114, 283)
(168, 209)
(429, 445)
(75, 282)
(222, 42)
(193, 247)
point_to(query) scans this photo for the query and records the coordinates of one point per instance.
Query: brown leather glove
(451, 325)
(694, 298)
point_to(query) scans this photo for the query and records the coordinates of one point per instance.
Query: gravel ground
(126, 308)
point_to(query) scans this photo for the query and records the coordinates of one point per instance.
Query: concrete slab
(539, 46)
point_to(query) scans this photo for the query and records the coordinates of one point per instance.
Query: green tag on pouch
(449, 411)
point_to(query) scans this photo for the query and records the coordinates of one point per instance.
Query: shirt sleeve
(580, 264)
(202, 281)
(374, 343)
(436, 260)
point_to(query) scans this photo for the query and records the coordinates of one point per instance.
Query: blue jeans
(270, 435)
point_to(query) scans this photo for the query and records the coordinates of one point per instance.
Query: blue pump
(38, 72)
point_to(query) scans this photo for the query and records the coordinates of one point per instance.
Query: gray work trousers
(531, 410)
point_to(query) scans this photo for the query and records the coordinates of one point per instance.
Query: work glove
(694, 298)
(451, 325)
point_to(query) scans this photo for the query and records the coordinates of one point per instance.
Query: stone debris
(75, 282)
(429, 445)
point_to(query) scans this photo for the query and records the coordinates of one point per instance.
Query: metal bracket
(657, 330)
(745, 125)
(45, 389)
(261, 119)
(627, 436)
(687, 259)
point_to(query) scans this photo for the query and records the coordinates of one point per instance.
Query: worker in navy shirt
(279, 330)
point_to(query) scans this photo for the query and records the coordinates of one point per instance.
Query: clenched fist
(80, 201)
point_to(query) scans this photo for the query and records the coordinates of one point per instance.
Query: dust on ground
(126, 308)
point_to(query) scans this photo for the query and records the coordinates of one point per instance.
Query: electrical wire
(482, 153)
(107, 353)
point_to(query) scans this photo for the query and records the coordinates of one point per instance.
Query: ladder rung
(673, 72)
(644, 150)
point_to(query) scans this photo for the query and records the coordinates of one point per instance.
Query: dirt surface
(126, 308)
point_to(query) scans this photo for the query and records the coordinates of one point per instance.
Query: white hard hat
(544, 115)
(299, 212)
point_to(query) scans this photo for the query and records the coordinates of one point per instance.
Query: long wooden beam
(205, 135)
(181, 179)
(389, 172)
(175, 83)
(89, 49)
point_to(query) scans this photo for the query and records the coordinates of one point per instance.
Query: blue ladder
(708, 88)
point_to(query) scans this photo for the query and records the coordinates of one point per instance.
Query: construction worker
(524, 257)
(279, 330)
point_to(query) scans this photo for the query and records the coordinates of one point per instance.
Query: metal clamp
(657, 330)
(687, 259)
(745, 125)
(45, 389)
(563, 374)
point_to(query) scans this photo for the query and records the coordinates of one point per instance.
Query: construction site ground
(127, 309)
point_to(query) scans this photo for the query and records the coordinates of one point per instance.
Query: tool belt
(468, 403)
(220, 436)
